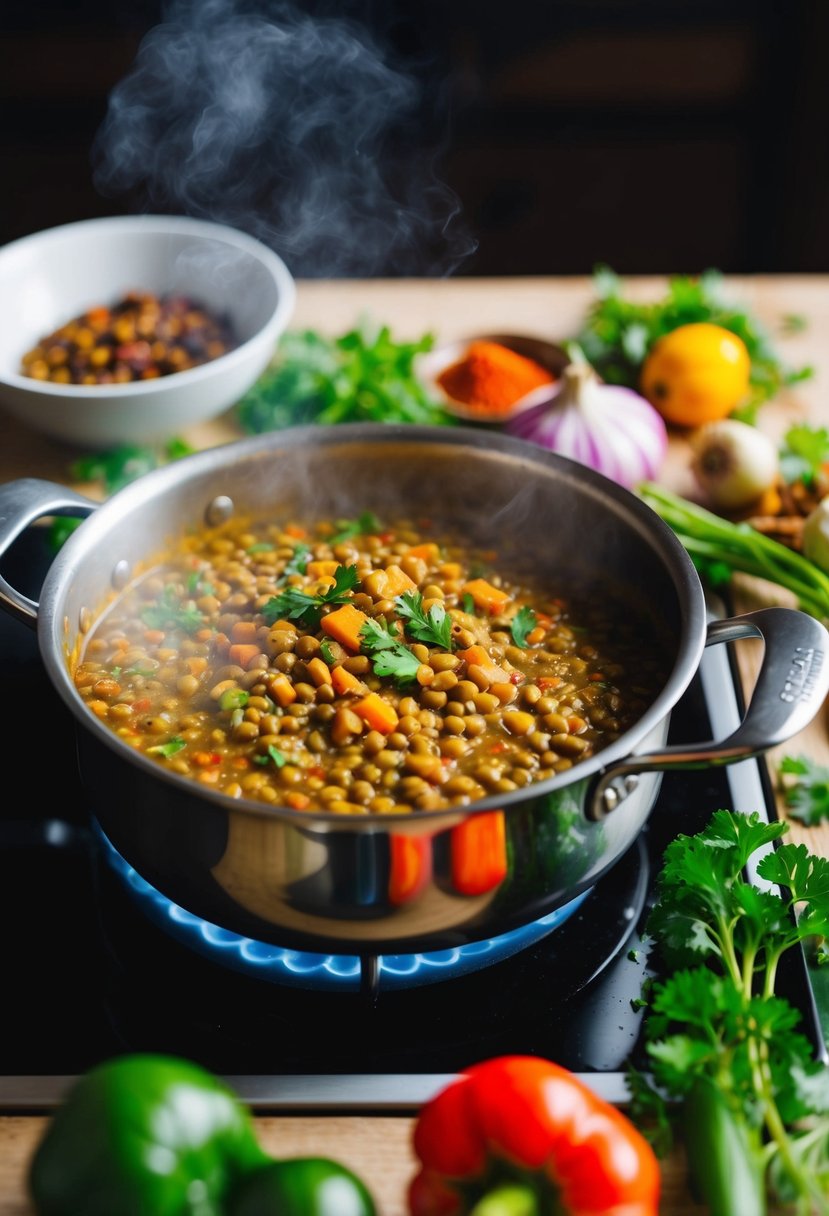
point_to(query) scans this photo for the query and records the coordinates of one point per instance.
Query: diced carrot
(206, 759)
(485, 596)
(243, 653)
(282, 690)
(377, 713)
(320, 569)
(154, 636)
(344, 625)
(197, 665)
(429, 552)
(141, 705)
(295, 531)
(474, 654)
(451, 570)
(345, 681)
(204, 635)
(319, 671)
(297, 801)
(397, 581)
(536, 635)
(548, 682)
(244, 631)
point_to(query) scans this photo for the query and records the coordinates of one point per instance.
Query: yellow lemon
(696, 373)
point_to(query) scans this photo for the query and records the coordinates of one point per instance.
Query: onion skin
(604, 426)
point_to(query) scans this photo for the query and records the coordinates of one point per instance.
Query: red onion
(609, 428)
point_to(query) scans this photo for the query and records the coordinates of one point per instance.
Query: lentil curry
(361, 667)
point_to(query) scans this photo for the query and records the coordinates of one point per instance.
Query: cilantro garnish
(295, 605)
(272, 755)
(433, 627)
(327, 653)
(366, 525)
(722, 1044)
(167, 749)
(807, 798)
(804, 452)
(468, 604)
(194, 584)
(233, 698)
(521, 624)
(172, 611)
(297, 564)
(389, 655)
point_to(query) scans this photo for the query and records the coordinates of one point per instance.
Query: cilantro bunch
(721, 1042)
(364, 375)
(617, 333)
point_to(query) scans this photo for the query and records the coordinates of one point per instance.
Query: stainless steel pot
(326, 882)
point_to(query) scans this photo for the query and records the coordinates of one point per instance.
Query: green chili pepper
(144, 1134)
(725, 1167)
(302, 1186)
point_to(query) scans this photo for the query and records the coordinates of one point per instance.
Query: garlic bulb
(607, 427)
(733, 463)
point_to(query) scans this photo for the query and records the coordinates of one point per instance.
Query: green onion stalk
(719, 548)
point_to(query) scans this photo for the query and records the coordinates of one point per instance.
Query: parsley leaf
(172, 611)
(804, 452)
(433, 627)
(273, 755)
(521, 624)
(366, 525)
(389, 655)
(167, 749)
(297, 564)
(806, 798)
(295, 605)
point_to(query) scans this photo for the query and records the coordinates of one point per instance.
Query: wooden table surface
(379, 1147)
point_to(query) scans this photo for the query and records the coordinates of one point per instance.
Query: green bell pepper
(302, 1186)
(144, 1134)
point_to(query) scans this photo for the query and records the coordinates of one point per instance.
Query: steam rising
(290, 127)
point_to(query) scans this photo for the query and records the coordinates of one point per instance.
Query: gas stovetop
(97, 963)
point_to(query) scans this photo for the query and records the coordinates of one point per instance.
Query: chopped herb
(390, 656)
(172, 612)
(261, 546)
(195, 584)
(521, 624)
(433, 627)
(807, 798)
(804, 453)
(362, 376)
(717, 1029)
(327, 653)
(297, 564)
(272, 754)
(295, 605)
(139, 671)
(468, 604)
(234, 698)
(167, 749)
(367, 525)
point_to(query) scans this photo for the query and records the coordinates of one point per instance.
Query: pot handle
(791, 686)
(21, 504)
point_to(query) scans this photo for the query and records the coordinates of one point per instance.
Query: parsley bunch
(719, 1038)
(390, 656)
(364, 375)
(617, 333)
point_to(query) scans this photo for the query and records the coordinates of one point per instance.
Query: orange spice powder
(491, 377)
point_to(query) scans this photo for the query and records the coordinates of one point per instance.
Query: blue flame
(303, 969)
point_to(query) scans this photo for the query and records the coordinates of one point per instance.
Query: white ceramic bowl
(51, 277)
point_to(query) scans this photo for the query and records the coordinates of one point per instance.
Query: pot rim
(126, 501)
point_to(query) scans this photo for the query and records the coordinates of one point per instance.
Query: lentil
(190, 668)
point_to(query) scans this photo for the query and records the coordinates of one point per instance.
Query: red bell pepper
(522, 1136)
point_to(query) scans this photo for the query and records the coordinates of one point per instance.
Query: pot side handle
(791, 686)
(21, 504)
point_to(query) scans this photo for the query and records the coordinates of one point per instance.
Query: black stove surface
(87, 975)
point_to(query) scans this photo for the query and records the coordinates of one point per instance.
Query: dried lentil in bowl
(141, 337)
(361, 668)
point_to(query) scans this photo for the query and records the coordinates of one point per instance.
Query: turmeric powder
(490, 378)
